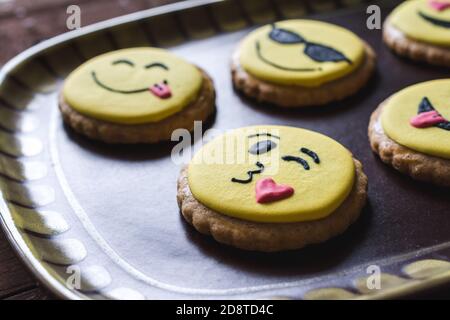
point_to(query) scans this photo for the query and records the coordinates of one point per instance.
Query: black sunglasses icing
(426, 106)
(315, 51)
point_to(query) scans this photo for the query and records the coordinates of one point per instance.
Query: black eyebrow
(265, 134)
(157, 65)
(312, 154)
(302, 161)
(123, 61)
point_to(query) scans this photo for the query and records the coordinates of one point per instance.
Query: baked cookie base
(271, 237)
(418, 165)
(198, 110)
(413, 49)
(291, 96)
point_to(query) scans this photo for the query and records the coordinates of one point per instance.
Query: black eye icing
(123, 61)
(315, 51)
(264, 134)
(262, 147)
(302, 161)
(284, 36)
(157, 65)
(299, 160)
(321, 53)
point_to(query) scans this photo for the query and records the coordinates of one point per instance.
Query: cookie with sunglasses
(420, 30)
(137, 95)
(272, 188)
(411, 131)
(297, 63)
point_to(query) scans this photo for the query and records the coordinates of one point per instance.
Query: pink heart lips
(439, 5)
(426, 119)
(267, 190)
(161, 90)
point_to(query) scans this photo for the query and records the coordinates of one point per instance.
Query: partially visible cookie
(410, 131)
(138, 95)
(420, 30)
(298, 63)
(277, 188)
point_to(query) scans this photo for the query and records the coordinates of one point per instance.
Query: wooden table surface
(24, 23)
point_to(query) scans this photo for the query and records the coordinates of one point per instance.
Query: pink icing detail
(426, 119)
(267, 190)
(161, 90)
(439, 5)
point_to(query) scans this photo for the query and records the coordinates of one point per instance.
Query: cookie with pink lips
(272, 188)
(137, 95)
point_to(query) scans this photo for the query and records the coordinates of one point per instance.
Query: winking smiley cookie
(137, 95)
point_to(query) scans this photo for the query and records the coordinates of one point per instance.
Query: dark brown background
(24, 23)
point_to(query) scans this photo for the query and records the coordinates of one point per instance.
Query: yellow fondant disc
(317, 191)
(116, 86)
(301, 52)
(404, 105)
(418, 20)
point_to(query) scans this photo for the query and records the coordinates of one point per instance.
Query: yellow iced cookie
(424, 20)
(272, 174)
(417, 118)
(301, 52)
(132, 86)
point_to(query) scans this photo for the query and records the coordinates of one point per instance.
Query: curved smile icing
(161, 90)
(104, 86)
(274, 64)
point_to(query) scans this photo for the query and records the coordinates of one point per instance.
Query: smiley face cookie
(272, 188)
(411, 131)
(420, 30)
(298, 63)
(137, 95)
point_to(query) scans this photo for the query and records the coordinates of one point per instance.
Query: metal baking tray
(71, 206)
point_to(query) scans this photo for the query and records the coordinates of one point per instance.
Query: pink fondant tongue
(439, 5)
(267, 190)
(426, 119)
(161, 90)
